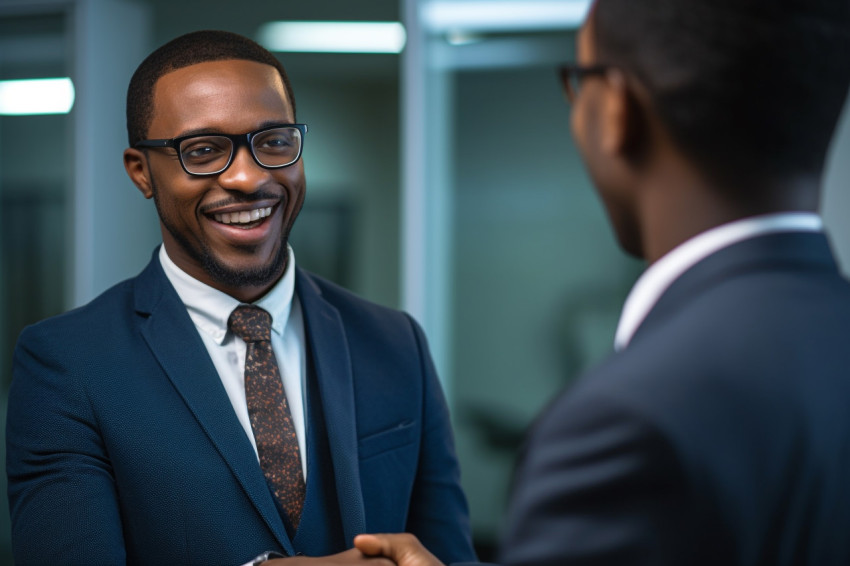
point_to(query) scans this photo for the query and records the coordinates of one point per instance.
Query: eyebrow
(215, 131)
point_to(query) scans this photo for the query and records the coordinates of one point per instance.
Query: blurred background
(441, 180)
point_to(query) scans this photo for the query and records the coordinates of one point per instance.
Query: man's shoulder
(754, 345)
(350, 305)
(110, 310)
(370, 328)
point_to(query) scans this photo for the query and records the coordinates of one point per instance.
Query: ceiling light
(481, 16)
(36, 96)
(333, 37)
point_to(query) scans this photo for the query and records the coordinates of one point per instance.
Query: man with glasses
(225, 407)
(718, 433)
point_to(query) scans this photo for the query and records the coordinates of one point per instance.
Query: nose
(244, 173)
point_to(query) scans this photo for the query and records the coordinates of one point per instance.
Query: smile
(243, 216)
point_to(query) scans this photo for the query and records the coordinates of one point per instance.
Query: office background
(441, 180)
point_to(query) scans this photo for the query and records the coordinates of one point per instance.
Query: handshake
(402, 549)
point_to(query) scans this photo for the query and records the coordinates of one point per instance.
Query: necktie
(268, 410)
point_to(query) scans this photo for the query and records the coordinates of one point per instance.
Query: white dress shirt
(661, 274)
(209, 309)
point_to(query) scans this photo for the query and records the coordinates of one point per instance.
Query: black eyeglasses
(572, 75)
(272, 147)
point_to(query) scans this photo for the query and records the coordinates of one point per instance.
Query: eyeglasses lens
(205, 155)
(569, 83)
(573, 84)
(277, 147)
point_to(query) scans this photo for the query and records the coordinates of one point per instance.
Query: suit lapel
(174, 341)
(328, 347)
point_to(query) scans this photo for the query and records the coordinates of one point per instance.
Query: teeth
(243, 216)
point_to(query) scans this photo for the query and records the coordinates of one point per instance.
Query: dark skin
(353, 556)
(403, 549)
(231, 97)
(655, 197)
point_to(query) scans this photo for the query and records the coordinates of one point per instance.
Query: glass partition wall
(70, 225)
(34, 185)
(35, 195)
(508, 257)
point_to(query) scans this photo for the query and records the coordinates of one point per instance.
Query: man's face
(231, 97)
(592, 123)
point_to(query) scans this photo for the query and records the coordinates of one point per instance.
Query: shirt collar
(210, 308)
(661, 274)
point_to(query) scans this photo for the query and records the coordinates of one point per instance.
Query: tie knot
(250, 323)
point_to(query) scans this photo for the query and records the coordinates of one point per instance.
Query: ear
(136, 164)
(624, 131)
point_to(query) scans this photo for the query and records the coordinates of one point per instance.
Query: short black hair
(752, 87)
(183, 51)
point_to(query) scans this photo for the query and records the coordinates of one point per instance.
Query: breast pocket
(389, 439)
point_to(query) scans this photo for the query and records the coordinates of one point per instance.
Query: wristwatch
(267, 555)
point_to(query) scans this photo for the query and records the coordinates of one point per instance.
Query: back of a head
(189, 49)
(749, 90)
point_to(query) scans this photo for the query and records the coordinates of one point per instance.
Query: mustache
(242, 198)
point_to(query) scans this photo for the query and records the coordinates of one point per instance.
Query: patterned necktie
(271, 420)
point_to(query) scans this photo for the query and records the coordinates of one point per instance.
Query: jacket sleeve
(62, 495)
(598, 485)
(438, 516)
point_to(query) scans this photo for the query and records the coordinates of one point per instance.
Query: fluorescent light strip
(333, 37)
(442, 16)
(36, 96)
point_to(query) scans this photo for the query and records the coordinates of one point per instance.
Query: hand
(352, 556)
(404, 549)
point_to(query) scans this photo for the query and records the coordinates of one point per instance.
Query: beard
(253, 277)
(199, 251)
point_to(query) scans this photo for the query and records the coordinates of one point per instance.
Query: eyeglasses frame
(580, 72)
(236, 141)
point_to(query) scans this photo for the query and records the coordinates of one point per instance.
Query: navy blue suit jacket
(123, 446)
(720, 435)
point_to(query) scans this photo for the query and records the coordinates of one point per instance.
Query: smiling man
(224, 406)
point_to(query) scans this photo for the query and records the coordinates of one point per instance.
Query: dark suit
(719, 436)
(123, 445)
